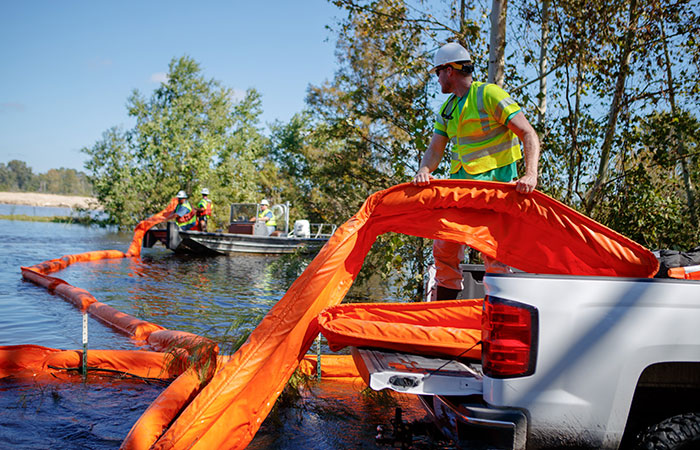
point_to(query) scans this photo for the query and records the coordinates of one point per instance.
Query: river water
(216, 297)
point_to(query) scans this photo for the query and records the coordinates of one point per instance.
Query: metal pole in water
(85, 344)
(318, 357)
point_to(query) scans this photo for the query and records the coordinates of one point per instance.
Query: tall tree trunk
(624, 65)
(576, 147)
(462, 15)
(574, 117)
(542, 107)
(679, 143)
(497, 45)
(463, 27)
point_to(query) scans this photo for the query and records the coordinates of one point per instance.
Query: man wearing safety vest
(184, 215)
(265, 215)
(484, 126)
(204, 208)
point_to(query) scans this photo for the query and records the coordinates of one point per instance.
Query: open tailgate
(415, 374)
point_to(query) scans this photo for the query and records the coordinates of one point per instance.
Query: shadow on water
(222, 298)
(336, 415)
(71, 415)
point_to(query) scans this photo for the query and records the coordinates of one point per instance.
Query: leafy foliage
(650, 200)
(376, 113)
(597, 153)
(619, 135)
(188, 135)
(16, 176)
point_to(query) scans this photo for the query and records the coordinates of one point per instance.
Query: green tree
(24, 176)
(615, 65)
(7, 178)
(375, 118)
(237, 170)
(113, 171)
(649, 199)
(64, 181)
(17, 176)
(189, 134)
(299, 151)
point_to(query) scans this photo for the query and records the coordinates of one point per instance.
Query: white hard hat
(265, 202)
(181, 194)
(205, 191)
(451, 52)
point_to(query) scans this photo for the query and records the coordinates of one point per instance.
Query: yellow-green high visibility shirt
(182, 211)
(476, 126)
(271, 222)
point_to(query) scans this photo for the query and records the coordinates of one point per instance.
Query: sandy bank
(37, 199)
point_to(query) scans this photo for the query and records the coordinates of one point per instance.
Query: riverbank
(54, 219)
(51, 200)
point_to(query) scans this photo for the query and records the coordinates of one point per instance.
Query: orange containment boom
(185, 347)
(448, 328)
(145, 225)
(687, 272)
(332, 366)
(138, 329)
(36, 362)
(533, 233)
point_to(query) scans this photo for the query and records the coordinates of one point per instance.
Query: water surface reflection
(218, 297)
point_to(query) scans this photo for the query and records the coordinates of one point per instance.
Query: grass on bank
(80, 220)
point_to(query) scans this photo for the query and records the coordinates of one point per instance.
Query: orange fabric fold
(33, 360)
(534, 233)
(160, 413)
(446, 328)
(145, 225)
(332, 366)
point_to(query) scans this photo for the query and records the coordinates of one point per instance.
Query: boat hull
(208, 243)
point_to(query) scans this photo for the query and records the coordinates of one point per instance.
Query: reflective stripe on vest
(497, 112)
(489, 144)
(471, 156)
(188, 218)
(466, 140)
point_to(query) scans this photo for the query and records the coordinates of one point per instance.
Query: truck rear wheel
(680, 432)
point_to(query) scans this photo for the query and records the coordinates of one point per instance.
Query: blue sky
(68, 67)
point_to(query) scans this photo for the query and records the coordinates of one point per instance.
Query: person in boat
(485, 126)
(265, 215)
(204, 208)
(185, 217)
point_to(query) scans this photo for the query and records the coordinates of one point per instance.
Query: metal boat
(244, 235)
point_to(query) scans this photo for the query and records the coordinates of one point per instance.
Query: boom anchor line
(85, 343)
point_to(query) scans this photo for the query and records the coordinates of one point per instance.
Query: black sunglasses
(437, 71)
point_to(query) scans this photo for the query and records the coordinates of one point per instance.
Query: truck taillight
(509, 338)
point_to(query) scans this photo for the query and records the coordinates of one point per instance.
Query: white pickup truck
(570, 361)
